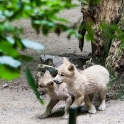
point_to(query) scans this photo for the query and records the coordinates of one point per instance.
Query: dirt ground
(18, 104)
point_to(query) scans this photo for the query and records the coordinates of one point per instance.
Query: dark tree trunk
(109, 12)
(105, 51)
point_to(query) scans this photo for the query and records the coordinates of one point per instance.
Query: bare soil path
(18, 104)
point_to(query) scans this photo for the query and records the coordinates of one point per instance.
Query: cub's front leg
(88, 102)
(78, 100)
(49, 108)
(68, 103)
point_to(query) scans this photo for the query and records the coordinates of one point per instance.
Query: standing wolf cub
(55, 92)
(83, 83)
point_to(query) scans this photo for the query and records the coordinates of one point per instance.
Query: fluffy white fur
(83, 83)
(55, 92)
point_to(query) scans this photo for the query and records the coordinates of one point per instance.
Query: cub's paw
(101, 107)
(61, 106)
(65, 116)
(74, 105)
(92, 111)
(44, 115)
(83, 103)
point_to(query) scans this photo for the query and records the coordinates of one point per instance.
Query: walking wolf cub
(55, 92)
(83, 83)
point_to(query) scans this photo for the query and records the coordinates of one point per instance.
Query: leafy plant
(32, 84)
(43, 15)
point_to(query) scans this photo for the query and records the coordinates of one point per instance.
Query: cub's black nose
(57, 82)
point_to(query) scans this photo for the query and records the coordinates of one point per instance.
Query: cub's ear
(50, 83)
(65, 60)
(71, 68)
(47, 73)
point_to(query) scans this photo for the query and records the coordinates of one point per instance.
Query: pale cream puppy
(55, 92)
(80, 84)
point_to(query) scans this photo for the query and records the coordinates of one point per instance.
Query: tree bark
(115, 59)
(109, 12)
(105, 51)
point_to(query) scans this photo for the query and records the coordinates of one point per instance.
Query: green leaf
(8, 13)
(60, 19)
(33, 45)
(1, 15)
(8, 49)
(11, 40)
(25, 58)
(44, 22)
(122, 45)
(45, 30)
(6, 27)
(9, 61)
(8, 73)
(32, 84)
(89, 37)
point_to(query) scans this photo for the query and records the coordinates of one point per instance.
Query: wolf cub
(83, 83)
(46, 85)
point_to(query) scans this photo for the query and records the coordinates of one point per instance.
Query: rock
(122, 97)
(56, 61)
(5, 85)
(51, 60)
(42, 68)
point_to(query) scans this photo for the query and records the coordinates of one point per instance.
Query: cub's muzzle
(57, 82)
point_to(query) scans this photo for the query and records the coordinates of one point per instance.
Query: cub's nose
(56, 81)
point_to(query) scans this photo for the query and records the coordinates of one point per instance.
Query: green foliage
(90, 33)
(120, 93)
(116, 86)
(44, 18)
(90, 2)
(32, 84)
(112, 80)
(8, 72)
(120, 88)
(43, 13)
(112, 31)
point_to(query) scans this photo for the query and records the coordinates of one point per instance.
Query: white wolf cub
(83, 83)
(55, 92)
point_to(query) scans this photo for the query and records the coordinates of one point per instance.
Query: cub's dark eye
(62, 75)
(41, 86)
